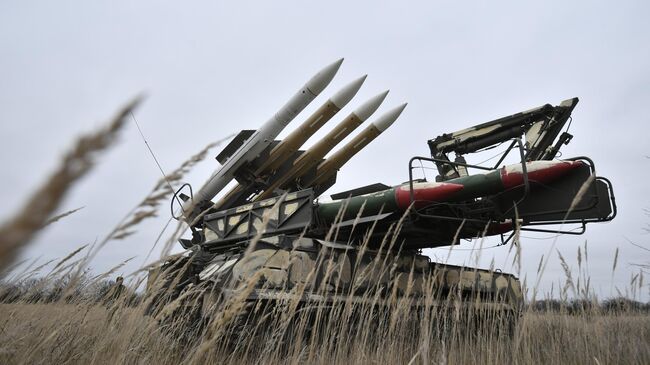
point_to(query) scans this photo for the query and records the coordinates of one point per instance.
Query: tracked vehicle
(273, 237)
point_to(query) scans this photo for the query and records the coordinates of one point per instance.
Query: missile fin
(234, 145)
(372, 188)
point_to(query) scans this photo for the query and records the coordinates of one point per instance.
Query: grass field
(64, 333)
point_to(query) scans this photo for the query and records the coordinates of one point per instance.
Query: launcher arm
(541, 127)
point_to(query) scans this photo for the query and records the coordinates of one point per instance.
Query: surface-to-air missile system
(273, 227)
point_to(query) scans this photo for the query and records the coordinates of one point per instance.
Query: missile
(395, 199)
(313, 156)
(511, 176)
(398, 198)
(343, 155)
(259, 140)
(299, 136)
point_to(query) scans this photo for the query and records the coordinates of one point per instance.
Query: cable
(423, 172)
(491, 158)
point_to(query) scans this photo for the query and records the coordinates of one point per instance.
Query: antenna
(162, 172)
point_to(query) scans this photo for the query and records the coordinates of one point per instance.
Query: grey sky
(212, 69)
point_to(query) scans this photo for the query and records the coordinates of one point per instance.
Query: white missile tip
(365, 110)
(320, 81)
(388, 118)
(343, 96)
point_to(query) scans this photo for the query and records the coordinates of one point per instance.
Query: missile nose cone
(388, 118)
(343, 96)
(320, 81)
(365, 110)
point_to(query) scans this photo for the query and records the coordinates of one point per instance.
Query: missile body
(313, 156)
(260, 139)
(299, 136)
(342, 156)
(396, 199)
(509, 177)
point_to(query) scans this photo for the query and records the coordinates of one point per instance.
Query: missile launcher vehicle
(274, 233)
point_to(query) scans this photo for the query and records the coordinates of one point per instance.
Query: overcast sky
(211, 69)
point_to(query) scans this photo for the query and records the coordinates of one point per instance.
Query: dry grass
(85, 328)
(66, 333)
(77, 162)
